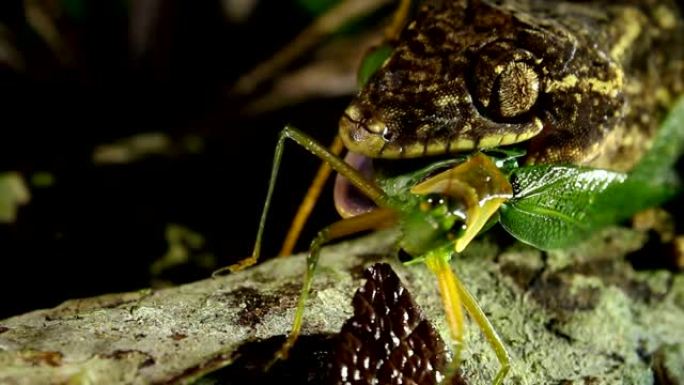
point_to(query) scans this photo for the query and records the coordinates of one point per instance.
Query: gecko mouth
(349, 201)
(363, 124)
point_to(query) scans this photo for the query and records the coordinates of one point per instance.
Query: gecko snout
(362, 132)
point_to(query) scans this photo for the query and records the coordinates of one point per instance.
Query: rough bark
(581, 316)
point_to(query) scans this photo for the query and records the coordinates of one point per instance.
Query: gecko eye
(504, 81)
(516, 89)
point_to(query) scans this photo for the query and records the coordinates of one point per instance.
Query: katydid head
(437, 219)
(454, 205)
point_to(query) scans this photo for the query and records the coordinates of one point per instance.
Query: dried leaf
(387, 341)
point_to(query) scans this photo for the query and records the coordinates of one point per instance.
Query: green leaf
(372, 62)
(667, 147)
(556, 206)
(552, 205)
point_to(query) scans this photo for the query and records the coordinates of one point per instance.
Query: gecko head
(467, 79)
(425, 105)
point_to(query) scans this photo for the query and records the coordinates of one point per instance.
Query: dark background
(129, 70)
(98, 227)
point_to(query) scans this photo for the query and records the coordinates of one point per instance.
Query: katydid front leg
(363, 185)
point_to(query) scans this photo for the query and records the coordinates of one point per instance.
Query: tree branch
(577, 316)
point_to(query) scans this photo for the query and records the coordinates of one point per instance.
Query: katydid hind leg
(374, 220)
(488, 330)
(438, 262)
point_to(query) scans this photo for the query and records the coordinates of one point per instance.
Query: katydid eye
(433, 201)
(451, 206)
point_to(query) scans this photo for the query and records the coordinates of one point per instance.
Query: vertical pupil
(518, 89)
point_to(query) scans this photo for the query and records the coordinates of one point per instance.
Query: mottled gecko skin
(580, 82)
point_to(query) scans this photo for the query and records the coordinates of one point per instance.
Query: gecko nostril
(388, 135)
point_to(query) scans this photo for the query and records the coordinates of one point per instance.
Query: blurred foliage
(75, 9)
(117, 116)
(13, 193)
(373, 61)
(316, 7)
(184, 247)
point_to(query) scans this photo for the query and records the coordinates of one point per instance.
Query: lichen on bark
(570, 317)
